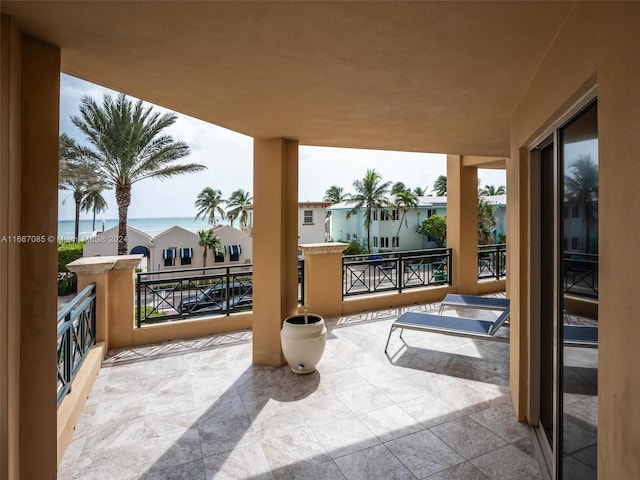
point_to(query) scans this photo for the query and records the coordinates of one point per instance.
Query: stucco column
(115, 295)
(30, 89)
(275, 244)
(323, 278)
(462, 223)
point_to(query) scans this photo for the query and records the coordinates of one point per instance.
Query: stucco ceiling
(416, 76)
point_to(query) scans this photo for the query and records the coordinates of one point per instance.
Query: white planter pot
(303, 343)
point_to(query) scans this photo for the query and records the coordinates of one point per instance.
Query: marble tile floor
(436, 408)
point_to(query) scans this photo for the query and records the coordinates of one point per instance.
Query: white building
(390, 232)
(174, 248)
(313, 224)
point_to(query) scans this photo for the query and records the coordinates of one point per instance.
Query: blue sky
(229, 158)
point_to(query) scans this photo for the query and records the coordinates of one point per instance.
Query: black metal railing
(381, 272)
(492, 261)
(581, 274)
(76, 336)
(170, 295)
(301, 282)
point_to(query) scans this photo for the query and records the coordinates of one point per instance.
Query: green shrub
(67, 253)
(355, 248)
(67, 283)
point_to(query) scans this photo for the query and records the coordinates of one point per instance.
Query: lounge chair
(460, 326)
(470, 301)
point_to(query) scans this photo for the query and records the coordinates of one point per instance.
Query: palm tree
(404, 201)
(75, 176)
(397, 188)
(489, 190)
(93, 200)
(208, 201)
(205, 241)
(370, 194)
(486, 222)
(335, 194)
(440, 186)
(581, 188)
(129, 146)
(419, 191)
(235, 204)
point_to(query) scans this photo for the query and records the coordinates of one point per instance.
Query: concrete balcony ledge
(97, 265)
(323, 248)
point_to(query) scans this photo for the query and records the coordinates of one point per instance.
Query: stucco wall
(311, 232)
(106, 243)
(599, 44)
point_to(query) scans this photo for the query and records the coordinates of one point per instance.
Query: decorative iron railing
(581, 274)
(492, 261)
(76, 336)
(362, 274)
(170, 295)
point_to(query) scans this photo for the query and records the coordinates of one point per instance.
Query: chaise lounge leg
(389, 337)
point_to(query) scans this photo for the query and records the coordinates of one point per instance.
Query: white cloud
(229, 158)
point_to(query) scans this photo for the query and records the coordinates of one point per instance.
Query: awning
(140, 249)
(186, 252)
(235, 250)
(169, 253)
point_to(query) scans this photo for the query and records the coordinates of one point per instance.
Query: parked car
(214, 296)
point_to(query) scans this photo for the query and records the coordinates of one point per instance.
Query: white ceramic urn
(303, 338)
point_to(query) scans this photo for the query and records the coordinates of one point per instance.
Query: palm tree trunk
(404, 212)
(123, 199)
(93, 228)
(78, 199)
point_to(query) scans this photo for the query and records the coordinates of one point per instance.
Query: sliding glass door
(565, 295)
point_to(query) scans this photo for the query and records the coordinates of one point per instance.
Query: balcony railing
(171, 295)
(492, 261)
(581, 274)
(76, 336)
(363, 274)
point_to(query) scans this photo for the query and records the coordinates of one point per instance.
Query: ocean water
(152, 226)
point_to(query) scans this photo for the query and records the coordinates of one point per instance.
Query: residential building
(313, 226)
(391, 231)
(526, 86)
(174, 248)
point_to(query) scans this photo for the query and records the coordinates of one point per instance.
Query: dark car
(213, 297)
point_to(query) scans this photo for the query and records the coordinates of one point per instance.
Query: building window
(384, 242)
(431, 212)
(396, 242)
(375, 214)
(308, 216)
(395, 214)
(186, 254)
(234, 253)
(375, 241)
(169, 255)
(355, 239)
(348, 237)
(575, 212)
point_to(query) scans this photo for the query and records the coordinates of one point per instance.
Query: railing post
(138, 301)
(68, 354)
(226, 289)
